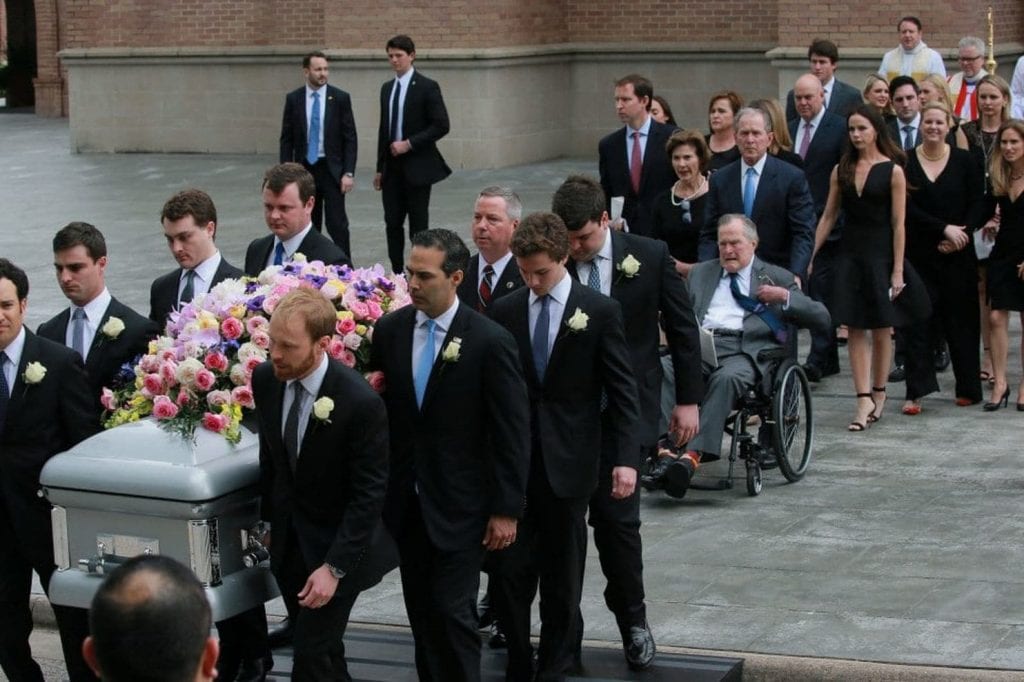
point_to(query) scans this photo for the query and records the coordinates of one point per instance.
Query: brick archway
(49, 81)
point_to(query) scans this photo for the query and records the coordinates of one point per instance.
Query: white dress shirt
(559, 296)
(723, 311)
(915, 124)
(311, 383)
(94, 311)
(322, 91)
(405, 80)
(419, 332)
(203, 280)
(605, 267)
(644, 130)
(13, 351)
(827, 87)
(291, 245)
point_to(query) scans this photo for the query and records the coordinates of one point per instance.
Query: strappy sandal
(857, 426)
(876, 415)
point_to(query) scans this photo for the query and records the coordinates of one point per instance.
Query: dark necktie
(394, 110)
(636, 163)
(540, 338)
(485, 291)
(594, 278)
(752, 305)
(5, 391)
(908, 138)
(291, 425)
(313, 143)
(806, 141)
(78, 331)
(279, 254)
(189, 292)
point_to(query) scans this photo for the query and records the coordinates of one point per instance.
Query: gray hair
(749, 228)
(970, 41)
(751, 111)
(513, 204)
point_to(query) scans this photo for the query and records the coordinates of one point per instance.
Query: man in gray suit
(747, 304)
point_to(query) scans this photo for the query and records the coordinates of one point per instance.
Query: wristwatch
(335, 571)
(350, 175)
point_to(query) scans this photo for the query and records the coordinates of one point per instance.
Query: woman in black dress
(679, 211)
(1006, 263)
(721, 141)
(870, 187)
(945, 206)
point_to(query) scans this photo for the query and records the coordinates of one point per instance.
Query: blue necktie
(425, 364)
(540, 338)
(749, 190)
(752, 305)
(594, 278)
(78, 331)
(279, 254)
(394, 111)
(313, 143)
(5, 391)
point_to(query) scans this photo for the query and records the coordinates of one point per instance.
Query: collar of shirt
(444, 320)
(14, 350)
(322, 90)
(743, 275)
(292, 244)
(828, 87)
(559, 292)
(603, 261)
(758, 166)
(914, 123)
(644, 129)
(816, 121)
(498, 266)
(405, 78)
(312, 381)
(95, 308)
(205, 272)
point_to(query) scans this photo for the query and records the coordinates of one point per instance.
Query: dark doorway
(16, 76)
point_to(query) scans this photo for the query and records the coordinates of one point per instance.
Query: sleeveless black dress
(864, 266)
(1005, 288)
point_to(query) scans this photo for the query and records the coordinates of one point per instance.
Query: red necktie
(485, 288)
(636, 163)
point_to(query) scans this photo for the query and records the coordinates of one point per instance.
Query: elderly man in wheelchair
(746, 309)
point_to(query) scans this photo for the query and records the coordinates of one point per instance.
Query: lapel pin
(508, 285)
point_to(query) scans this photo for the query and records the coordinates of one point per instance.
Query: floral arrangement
(199, 372)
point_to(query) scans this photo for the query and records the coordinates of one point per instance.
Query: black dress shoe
(813, 373)
(941, 361)
(280, 635)
(898, 373)
(655, 478)
(638, 645)
(252, 670)
(677, 477)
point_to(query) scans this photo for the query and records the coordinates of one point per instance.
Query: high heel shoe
(912, 408)
(876, 414)
(857, 425)
(1001, 402)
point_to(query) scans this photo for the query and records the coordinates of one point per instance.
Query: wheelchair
(781, 400)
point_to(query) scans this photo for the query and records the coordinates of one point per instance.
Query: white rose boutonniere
(113, 328)
(629, 266)
(34, 373)
(578, 321)
(452, 350)
(322, 409)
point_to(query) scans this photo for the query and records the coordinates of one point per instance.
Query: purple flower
(255, 304)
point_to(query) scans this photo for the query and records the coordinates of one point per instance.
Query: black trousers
(824, 352)
(550, 551)
(402, 198)
(318, 636)
(440, 590)
(330, 205)
(242, 637)
(23, 553)
(952, 286)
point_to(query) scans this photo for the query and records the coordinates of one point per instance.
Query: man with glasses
(963, 85)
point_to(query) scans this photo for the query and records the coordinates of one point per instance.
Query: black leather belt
(727, 332)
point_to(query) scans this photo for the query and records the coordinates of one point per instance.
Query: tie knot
(298, 389)
(751, 172)
(636, 135)
(3, 358)
(488, 270)
(78, 314)
(907, 128)
(190, 275)
(431, 326)
(316, 95)
(544, 301)
(808, 125)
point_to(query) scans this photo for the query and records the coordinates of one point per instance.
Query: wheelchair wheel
(793, 432)
(754, 481)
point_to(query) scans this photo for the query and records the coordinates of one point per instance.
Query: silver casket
(138, 489)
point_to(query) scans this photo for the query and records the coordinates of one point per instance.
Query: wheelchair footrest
(720, 484)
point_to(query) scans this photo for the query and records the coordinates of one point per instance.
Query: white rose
(186, 371)
(34, 373)
(629, 266)
(578, 321)
(322, 408)
(113, 328)
(452, 350)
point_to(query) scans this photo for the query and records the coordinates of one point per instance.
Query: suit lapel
(651, 151)
(19, 389)
(457, 329)
(401, 361)
(707, 291)
(99, 340)
(313, 425)
(571, 303)
(619, 252)
(764, 184)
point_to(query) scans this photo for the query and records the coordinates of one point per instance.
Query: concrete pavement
(902, 547)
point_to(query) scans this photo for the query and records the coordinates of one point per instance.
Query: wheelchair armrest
(774, 353)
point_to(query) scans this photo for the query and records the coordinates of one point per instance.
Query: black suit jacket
(566, 406)
(656, 296)
(106, 355)
(332, 502)
(424, 122)
(783, 212)
(822, 155)
(845, 98)
(43, 419)
(466, 450)
(163, 294)
(339, 126)
(656, 176)
(314, 246)
(469, 288)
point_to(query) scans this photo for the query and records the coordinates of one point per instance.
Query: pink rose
(182, 397)
(218, 398)
(168, 354)
(256, 323)
(215, 422)
(346, 326)
(205, 379)
(360, 310)
(164, 408)
(231, 328)
(270, 302)
(375, 310)
(153, 383)
(107, 400)
(348, 358)
(243, 396)
(252, 363)
(261, 339)
(168, 370)
(335, 348)
(149, 363)
(376, 381)
(216, 361)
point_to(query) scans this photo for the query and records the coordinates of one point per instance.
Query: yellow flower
(361, 329)
(345, 315)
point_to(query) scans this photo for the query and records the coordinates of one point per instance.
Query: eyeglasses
(685, 206)
(971, 59)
